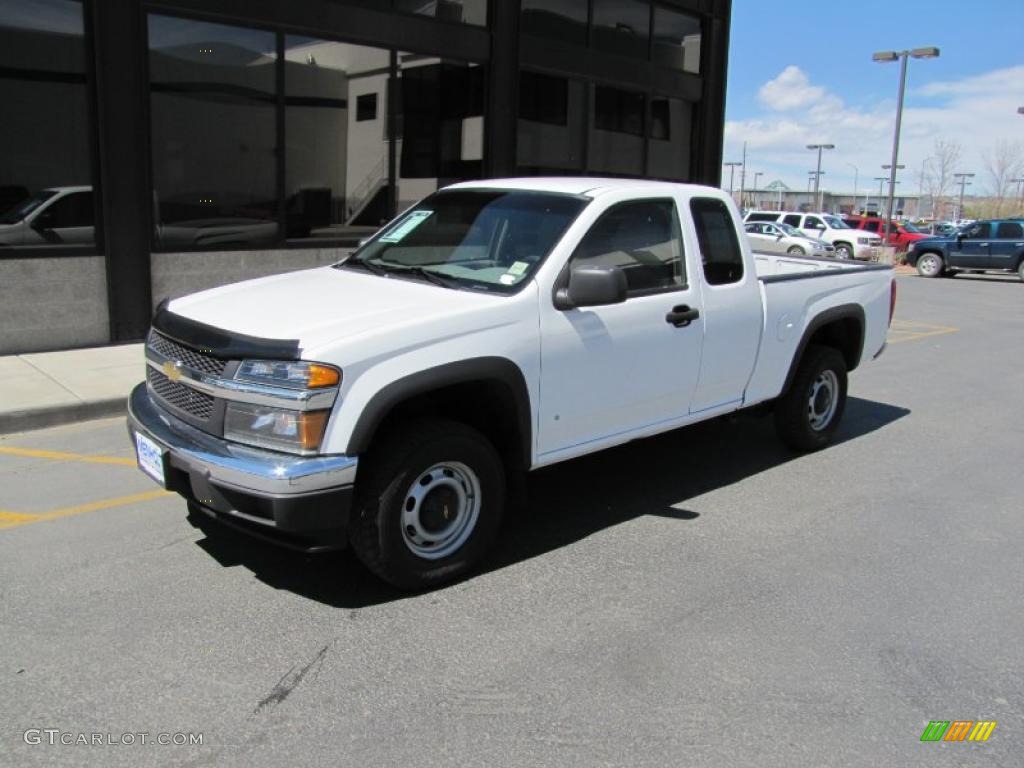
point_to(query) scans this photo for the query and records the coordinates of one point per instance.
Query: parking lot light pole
(757, 175)
(881, 180)
(732, 172)
(817, 173)
(887, 56)
(886, 167)
(856, 173)
(1020, 191)
(962, 180)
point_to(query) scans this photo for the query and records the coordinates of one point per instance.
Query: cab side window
(979, 231)
(643, 239)
(813, 222)
(1009, 230)
(792, 219)
(719, 247)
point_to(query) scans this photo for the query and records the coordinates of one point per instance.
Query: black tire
(397, 465)
(930, 264)
(796, 250)
(844, 251)
(794, 418)
(1020, 271)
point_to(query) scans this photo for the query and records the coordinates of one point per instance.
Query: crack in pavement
(289, 682)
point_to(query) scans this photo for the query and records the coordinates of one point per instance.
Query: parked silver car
(779, 237)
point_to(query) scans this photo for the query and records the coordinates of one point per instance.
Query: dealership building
(151, 148)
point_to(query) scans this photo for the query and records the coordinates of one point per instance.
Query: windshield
(835, 223)
(481, 239)
(789, 230)
(25, 207)
(912, 229)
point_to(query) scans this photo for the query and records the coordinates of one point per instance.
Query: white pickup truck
(389, 401)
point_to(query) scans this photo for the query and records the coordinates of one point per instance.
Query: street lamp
(886, 167)
(962, 180)
(884, 57)
(817, 174)
(881, 180)
(757, 175)
(856, 171)
(732, 171)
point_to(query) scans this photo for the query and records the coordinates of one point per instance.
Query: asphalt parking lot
(701, 598)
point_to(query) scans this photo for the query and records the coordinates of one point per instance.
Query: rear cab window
(719, 246)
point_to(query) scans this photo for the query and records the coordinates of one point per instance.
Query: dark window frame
(701, 235)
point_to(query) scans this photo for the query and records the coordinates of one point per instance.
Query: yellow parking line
(924, 335)
(61, 456)
(15, 519)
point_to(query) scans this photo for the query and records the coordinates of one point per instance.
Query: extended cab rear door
(731, 296)
(614, 370)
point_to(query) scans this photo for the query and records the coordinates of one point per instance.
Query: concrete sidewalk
(46, 388)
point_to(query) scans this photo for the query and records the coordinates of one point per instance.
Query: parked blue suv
(995, 245)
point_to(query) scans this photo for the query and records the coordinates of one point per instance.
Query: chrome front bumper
(308, 496)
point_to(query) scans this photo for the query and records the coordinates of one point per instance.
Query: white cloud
(977, 111)
(790, 90)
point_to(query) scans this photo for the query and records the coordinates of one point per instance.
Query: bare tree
(1003, 161)
(938, 170)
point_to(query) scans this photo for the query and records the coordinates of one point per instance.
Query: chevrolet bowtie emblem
(172, 370)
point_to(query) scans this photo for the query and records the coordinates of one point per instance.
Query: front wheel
(429, 505)
(1020, 271)
(808, 414)
(844, 251)
(929, 265)
(796, 250)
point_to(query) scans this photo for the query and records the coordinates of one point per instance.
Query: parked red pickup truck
(900, 235)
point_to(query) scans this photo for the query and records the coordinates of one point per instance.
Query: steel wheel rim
(440, 510)
(929, 264)
(821, 405)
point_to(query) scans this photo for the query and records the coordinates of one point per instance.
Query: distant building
(197, 142)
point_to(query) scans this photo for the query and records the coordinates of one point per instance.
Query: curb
(54, 415)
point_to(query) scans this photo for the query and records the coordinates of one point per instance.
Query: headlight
(284, 373)
(278, 429)
(863, 240)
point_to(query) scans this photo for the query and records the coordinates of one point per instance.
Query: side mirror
(43, 221)
(779, 237)
(592, 287)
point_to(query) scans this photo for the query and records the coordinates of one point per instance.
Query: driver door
(608, 371)
(972, 250)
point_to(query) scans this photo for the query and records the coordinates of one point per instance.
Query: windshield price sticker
(412, 221)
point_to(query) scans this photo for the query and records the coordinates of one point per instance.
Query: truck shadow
(565, 503)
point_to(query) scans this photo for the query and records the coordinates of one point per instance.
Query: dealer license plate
(151, 457)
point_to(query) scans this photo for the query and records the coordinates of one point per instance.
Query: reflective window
(44, 128)
(617, 135)
(466, 11)
(336, 142)
(676, 40)
(622, 26)
(214, 134)
(719, 246)
(642, 239)
(562, 20)
(979, 231)
(551, 123)
(668, 151)
(441, 139)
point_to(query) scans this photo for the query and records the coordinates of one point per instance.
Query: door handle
(681, 316)
(983, 245)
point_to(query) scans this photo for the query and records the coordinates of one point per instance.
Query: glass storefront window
(550, 125)
(465, 11)
(336, 142)
(617, 133)
(214, 134)
(46, 165)
(563, 20)
(668, 149)
(676, 40)
(440, 129)
(622, 26)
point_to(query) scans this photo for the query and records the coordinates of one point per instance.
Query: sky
(800, 72)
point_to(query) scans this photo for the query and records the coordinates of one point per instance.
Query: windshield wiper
(368, 266)
(426, 274)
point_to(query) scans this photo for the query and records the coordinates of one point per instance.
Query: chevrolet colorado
(389, 401)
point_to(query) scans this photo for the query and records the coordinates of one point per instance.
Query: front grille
(199, 405)
(197, 361)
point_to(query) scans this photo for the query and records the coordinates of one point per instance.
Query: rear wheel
(796, 250)
(808, 414)
(1020, 271)
(929, 265)
(429, 504)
